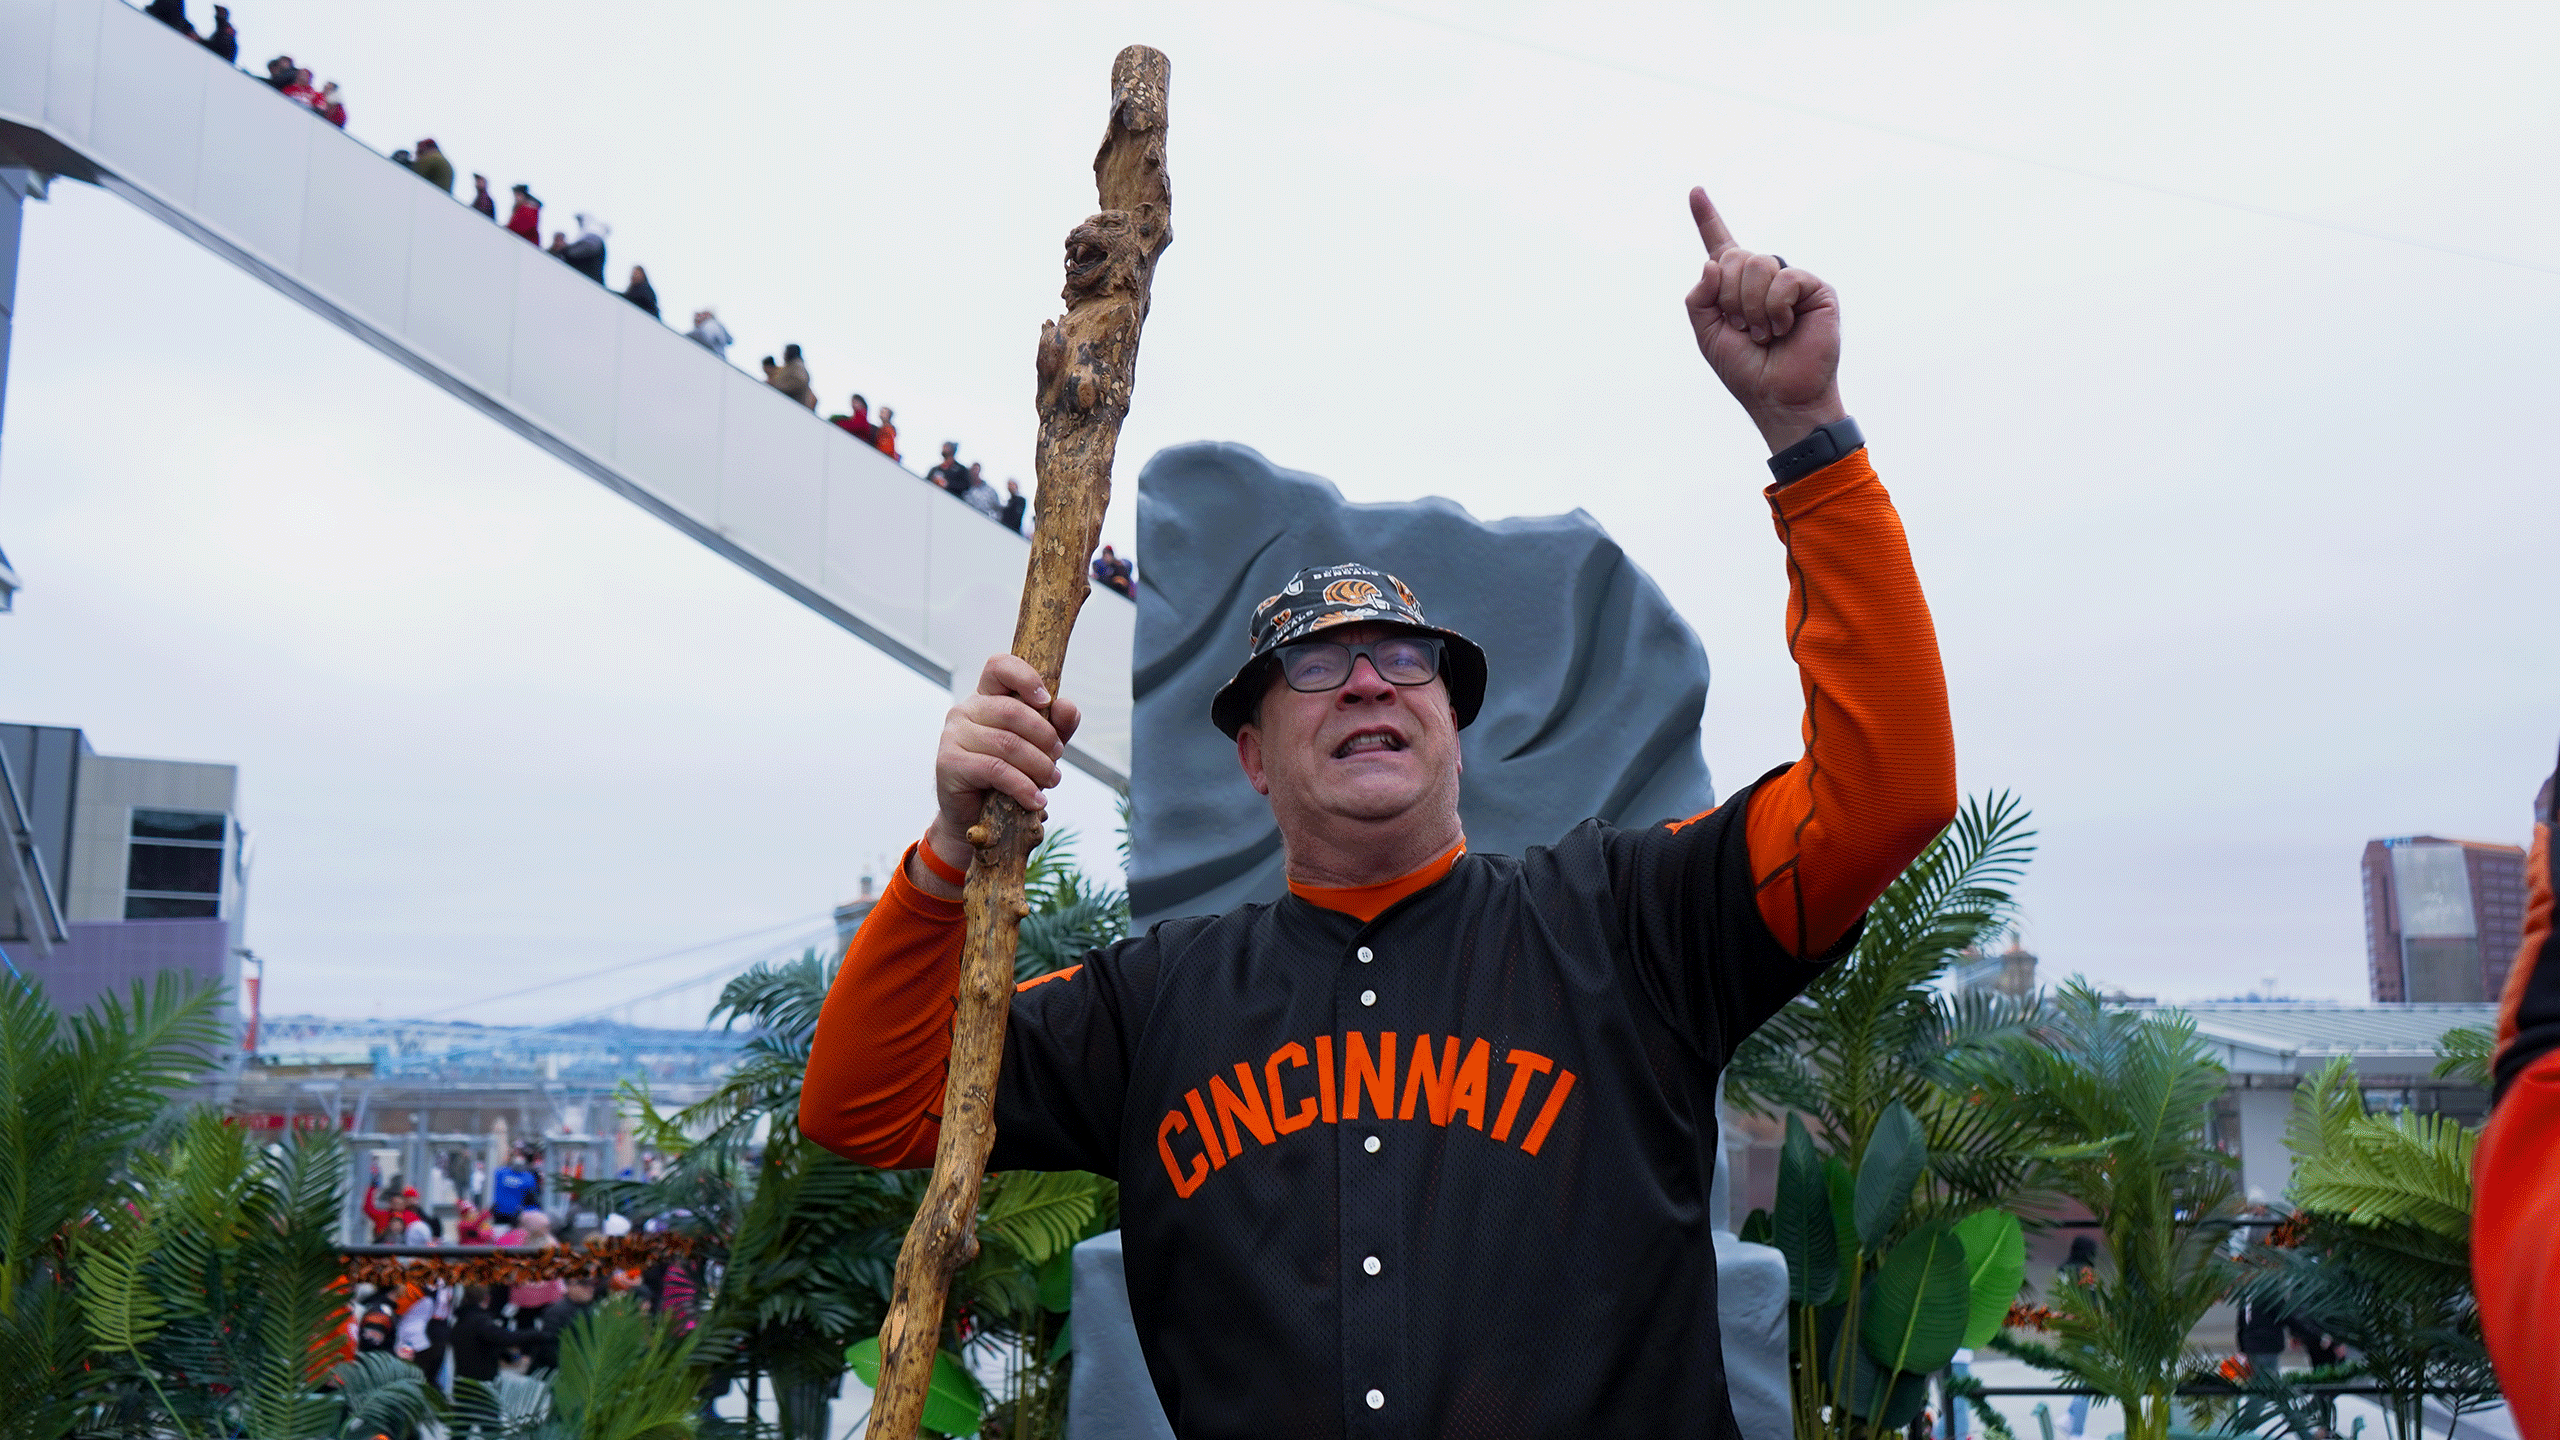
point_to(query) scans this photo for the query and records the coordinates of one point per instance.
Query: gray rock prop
(1592, 707)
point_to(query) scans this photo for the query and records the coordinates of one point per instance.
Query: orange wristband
(943, 870)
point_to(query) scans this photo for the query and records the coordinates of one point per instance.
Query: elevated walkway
(94, 90)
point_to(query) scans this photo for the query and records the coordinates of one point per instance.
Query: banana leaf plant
(1881, 1294)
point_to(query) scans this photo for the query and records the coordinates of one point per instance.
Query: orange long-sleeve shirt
(2515, 1222)
(1876, 783)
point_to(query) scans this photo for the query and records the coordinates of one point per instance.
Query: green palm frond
(383, 1395)
(2467, 1052)
(625, 1376)
(122, 1313)
(1037, 1214)
(1876, 1028)
(2408, 1170)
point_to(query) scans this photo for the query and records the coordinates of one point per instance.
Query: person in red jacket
(526, 218)
(2515, 1219)
(1424, 1146)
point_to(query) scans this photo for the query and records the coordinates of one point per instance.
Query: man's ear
(1249, 755)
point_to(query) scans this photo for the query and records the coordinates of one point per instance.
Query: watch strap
(1826, 444)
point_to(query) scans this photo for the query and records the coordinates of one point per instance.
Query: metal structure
(94, 90)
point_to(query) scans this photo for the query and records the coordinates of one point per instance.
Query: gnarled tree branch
(1087, 364)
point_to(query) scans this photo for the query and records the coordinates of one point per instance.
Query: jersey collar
(1367, 902)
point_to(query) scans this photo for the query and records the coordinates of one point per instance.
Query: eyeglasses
(1315, 666)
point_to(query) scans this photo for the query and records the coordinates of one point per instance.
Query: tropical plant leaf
(1995, 1262)
(1896, 1155)
(1057, 1282)
(1918, 1303)
(626, 1376)
(1803, 1227)
(1885, 1408)
(954, 1403)
(122, 1313)
(1038, 1214)
(2467, 1052)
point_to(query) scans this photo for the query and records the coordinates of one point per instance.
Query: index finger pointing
(1710, 224)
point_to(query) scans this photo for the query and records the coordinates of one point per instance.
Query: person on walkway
(298, 89)
(585, 254)
(709, 333)
(1114, 574)
(281, 74)
(1014, 505)
(172, 13)
(432, 167)
(1333, 1222)
(949, 473)
(481, 199)
(331, 108)
(855, 422)
(224, 41)
(525, 218)
(640, 292)
(885, 436)
(791, 377)
(982, 496)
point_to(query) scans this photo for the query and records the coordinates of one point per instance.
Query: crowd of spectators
(969, 484)
(584, 252)
(488, 1328)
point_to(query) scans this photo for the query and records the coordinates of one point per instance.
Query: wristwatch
(1826, 444)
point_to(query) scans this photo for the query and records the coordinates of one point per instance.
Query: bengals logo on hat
(1350, 592)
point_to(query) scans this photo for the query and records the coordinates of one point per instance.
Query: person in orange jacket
(2515, 1218)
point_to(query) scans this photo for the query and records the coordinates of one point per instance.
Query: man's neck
(1335, 859)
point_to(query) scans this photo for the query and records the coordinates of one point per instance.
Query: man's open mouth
(1364, 741)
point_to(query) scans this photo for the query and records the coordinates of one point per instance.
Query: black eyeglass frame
(1432, 645)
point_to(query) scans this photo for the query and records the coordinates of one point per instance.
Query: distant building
(2442, 918)
(116, 868)
(2012, 972)
(2269, 1048)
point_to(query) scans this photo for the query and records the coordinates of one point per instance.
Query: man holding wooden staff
(1424, 1147)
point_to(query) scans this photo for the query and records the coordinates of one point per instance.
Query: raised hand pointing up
(1769, 330)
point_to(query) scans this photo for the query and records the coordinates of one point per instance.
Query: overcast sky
(2206, 350)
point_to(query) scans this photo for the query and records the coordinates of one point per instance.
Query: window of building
(173, 864)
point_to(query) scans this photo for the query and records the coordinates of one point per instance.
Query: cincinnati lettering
(1299, 1086)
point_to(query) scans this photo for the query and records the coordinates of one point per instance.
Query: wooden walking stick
(1087, 364)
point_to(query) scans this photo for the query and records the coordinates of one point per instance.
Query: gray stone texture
(1592, 709)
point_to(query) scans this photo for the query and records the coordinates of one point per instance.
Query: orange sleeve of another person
(2515, 1221)
(881, 1052)
(1878, 778)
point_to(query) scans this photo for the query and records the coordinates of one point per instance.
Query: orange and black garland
(599, 1257)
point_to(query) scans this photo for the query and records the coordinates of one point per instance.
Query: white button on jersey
(1371, 1265)
(1371, 1144)
(1377, 1399)
(1367, 955)
(1368, 997)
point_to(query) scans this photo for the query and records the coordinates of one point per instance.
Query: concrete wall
(107, 958)
(111, 786)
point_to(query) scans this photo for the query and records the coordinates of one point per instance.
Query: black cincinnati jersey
(1445, 1173)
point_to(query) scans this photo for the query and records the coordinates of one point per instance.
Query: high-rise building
(116, 868)
(2442, 918)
